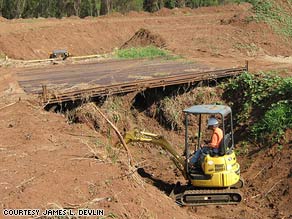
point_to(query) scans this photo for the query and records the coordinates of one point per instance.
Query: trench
(149, 105)
(148, 102)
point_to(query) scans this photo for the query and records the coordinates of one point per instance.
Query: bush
(272, 126)
(249, 91)
(263, 102)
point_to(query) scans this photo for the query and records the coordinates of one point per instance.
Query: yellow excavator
(217, 180)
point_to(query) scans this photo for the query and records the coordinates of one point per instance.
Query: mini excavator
(217, 180)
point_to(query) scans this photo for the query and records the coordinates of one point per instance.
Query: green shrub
(276, 120)
(248, 91)
(263, 102)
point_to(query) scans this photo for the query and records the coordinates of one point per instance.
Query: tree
(85, 8)
(58, 8)
(180, 3)
(1, 7)
(170, 3)
(95, 7)
(127, 5)
(70, 8)
(151, 5)
(9, 8)
(106, 7)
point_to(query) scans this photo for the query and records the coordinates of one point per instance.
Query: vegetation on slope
(169, 111)
(278, 15)
(263, 102)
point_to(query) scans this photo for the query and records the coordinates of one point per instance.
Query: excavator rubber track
(209, 197)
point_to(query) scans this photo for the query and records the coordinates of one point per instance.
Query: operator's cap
(212, 121)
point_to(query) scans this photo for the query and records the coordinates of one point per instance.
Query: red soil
(45, 160)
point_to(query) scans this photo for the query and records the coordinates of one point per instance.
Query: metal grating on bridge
(58, 84)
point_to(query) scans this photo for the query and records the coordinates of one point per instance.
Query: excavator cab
(197, 113)
(219, 169)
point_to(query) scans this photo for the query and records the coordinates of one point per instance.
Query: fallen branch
(271, 189)
(92, 150)
(265, 167)
(88, 158)
(259, 172)
(86, 204)
(25, 182)
(11, 104)
(78, 135)
(132, 169)
(255, 196)
(117, 132)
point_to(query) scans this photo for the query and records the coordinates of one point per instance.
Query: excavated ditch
(267, 171)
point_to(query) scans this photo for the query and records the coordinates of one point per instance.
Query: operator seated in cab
(212, 146)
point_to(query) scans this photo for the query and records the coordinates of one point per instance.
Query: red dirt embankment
(46, 163)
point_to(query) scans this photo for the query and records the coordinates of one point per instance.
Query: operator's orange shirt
(216, 138)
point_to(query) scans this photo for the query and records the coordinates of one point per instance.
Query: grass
(273, 14)
(2, 55)
(275, 121)
(144, 52)
(251, 49)
(243, 149)
(111, 152)
(170, 110)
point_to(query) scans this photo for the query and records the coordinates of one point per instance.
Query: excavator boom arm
(141, 136)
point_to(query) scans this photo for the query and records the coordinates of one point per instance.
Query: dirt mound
(174, 11)
(2, 19)
(137, 14)
(114, 14)
(164, 12)
(230, 7)
(185, 10)
(144, 37)
(243, 18)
